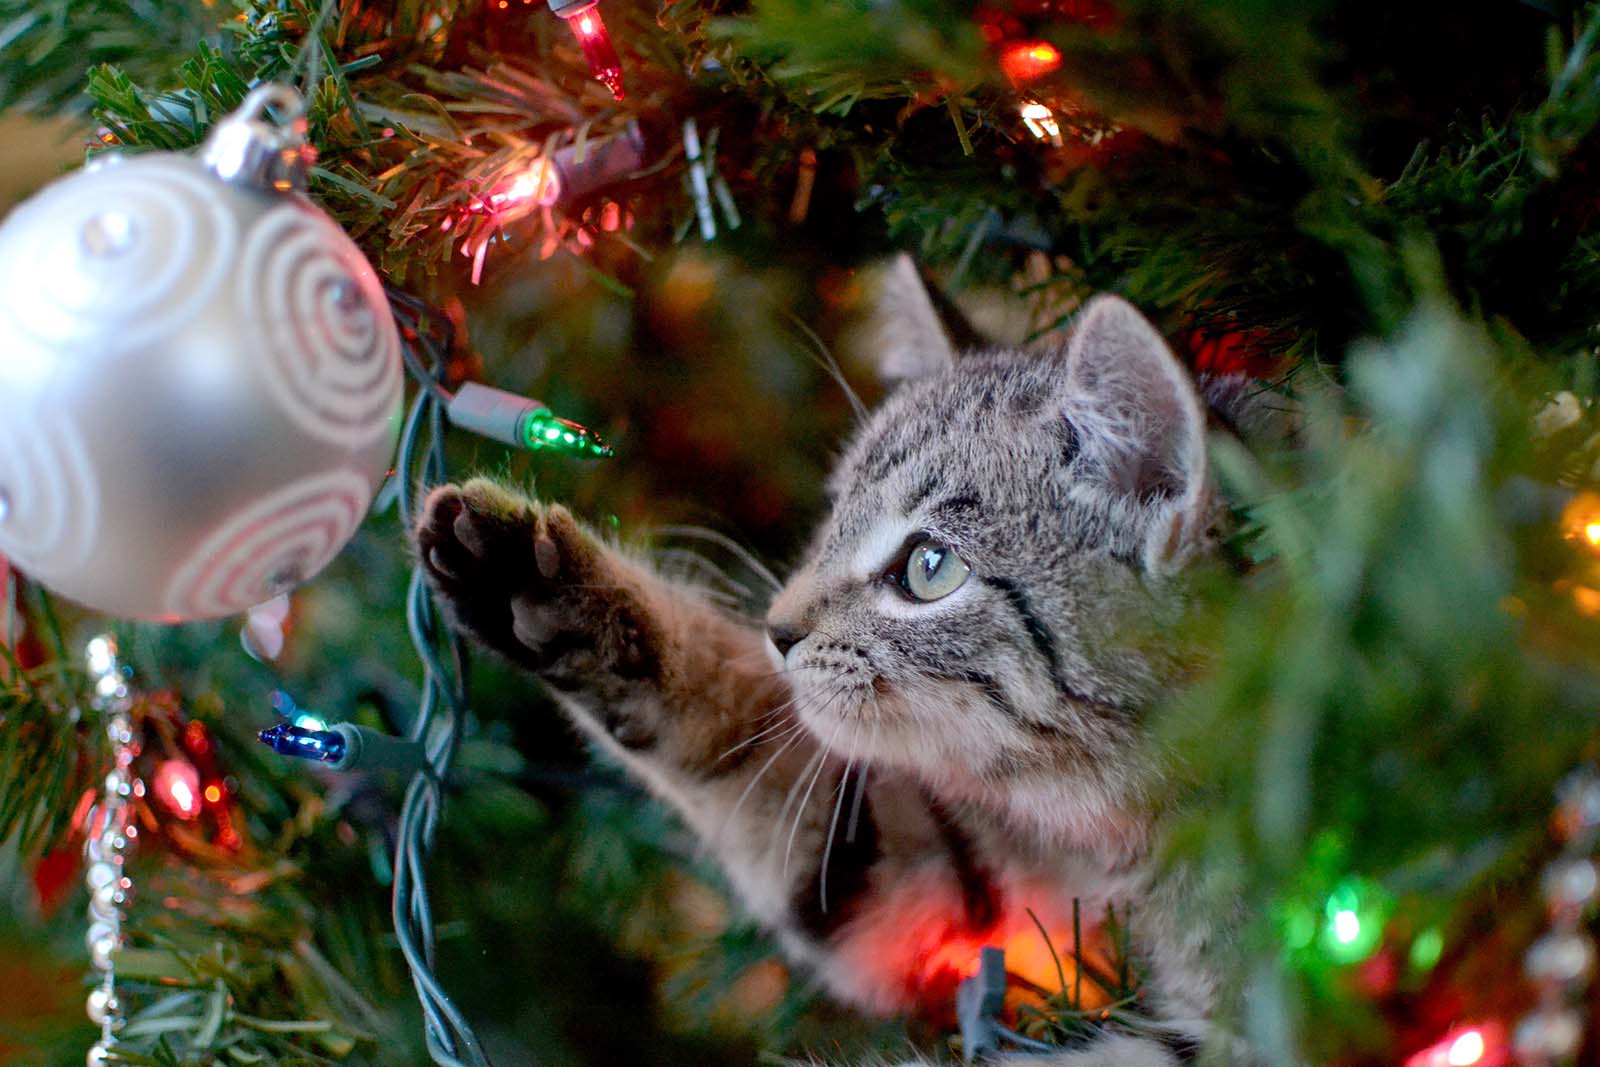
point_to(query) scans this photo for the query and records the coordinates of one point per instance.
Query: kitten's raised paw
(527, 580)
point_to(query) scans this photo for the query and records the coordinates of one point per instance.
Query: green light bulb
(542, 430)
(1426, 949)
(1354, 915)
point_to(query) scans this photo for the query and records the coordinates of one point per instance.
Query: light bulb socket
(568, 8)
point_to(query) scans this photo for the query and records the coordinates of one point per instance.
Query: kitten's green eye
(933, 571)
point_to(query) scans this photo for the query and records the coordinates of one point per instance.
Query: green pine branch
(1407, 682)
(46, 48)
(50, 752)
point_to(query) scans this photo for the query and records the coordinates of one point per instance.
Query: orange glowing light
(1580, 521)
(958, 955)
(1028, 957)
(213, 793)
(539, 184)
(1026, 61)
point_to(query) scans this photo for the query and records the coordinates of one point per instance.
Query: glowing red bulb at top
(590, 31)
(1026, 61)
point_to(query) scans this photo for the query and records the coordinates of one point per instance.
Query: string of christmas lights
(428, 748)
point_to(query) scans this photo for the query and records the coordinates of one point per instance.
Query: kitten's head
(978, 604)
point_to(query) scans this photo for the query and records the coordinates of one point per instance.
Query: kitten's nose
(785, 636)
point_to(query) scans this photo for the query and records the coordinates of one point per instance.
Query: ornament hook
(249, 148)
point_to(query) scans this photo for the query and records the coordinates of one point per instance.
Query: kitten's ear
(1140, 423)
(904, 334)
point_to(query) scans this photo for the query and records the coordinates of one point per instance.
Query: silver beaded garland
(111, 835)
(1561, 963)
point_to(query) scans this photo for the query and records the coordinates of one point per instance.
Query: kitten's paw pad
(534, 624)
(476, 544)
(468, 530)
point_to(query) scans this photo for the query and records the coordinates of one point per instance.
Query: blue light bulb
(285, 739)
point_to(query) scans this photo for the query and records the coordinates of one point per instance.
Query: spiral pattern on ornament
(269, 546)
(49, 497)
(329, 350)
(125, 253)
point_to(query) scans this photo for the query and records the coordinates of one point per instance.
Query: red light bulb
(177, 785)
(590, 31)
(1026, 61)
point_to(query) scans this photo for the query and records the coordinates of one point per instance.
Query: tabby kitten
(938, 730)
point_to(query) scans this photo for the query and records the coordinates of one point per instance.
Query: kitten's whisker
(799, 814)
(833, 822)
(733, 812)
(794, 738)
(690, 568)
(823, 358)
(794, 790)
(861, 791)
(782, 728)
(816, 762)
(820, 699)
(794, 702)
(767, 676)
(866, 768)
(744, 555)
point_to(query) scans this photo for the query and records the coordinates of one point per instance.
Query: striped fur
(910, 780)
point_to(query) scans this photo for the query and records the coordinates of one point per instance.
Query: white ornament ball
(200, 380)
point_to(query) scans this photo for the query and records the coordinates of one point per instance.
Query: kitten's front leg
(650, 666)
(684, 696)
(678, 690)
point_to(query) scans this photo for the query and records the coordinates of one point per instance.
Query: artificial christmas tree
(1385, 216)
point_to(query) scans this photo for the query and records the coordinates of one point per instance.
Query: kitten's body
(911, 778)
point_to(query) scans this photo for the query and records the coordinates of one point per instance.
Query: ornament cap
(249, 148)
